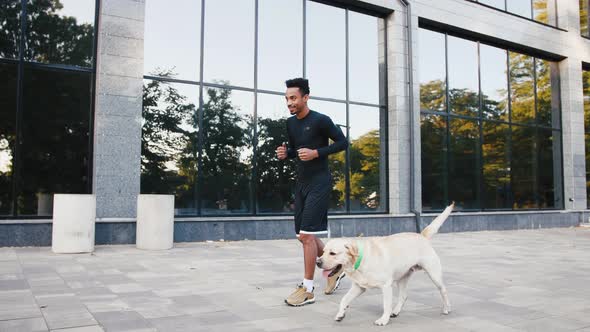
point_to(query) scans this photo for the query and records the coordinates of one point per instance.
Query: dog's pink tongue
(326, 273)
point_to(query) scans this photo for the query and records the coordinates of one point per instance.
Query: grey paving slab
(527, 280)
(18, 304)
(24, 325)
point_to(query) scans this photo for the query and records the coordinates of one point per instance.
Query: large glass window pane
(229, 53)
(10, 13)
(363, 36)
(326, 50)
(8, 74)
(549, 166)
(463, 79)
(367, 159)
(280, 45)
(496, 165)
(433, 133)
(544, 11)
(463, 166)
(520, 7)
(169, 143)
(60, 32)
(584, 17)
(586, 91)
(522, 92)
(336, 112)
(276, 178)
(494, 82)
(55, 136)
(524, 170)
(546, 116)
(500, 4)
(432, 70)
(172, 39)
(227, 151)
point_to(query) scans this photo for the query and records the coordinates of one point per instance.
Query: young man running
(309, 133)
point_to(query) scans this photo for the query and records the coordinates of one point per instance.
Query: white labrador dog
(381, 262)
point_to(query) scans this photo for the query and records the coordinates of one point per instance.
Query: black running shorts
(312, 199)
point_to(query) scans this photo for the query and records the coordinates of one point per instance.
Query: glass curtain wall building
(214, 108)
(486, 105)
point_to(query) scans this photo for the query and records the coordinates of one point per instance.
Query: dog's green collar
(360, 258)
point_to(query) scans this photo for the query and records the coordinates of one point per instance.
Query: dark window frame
(531, 19)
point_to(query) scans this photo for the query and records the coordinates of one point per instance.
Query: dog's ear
(352, 250)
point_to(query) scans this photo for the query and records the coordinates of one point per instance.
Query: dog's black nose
(318, 262)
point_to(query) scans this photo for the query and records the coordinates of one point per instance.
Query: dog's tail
(432, 229)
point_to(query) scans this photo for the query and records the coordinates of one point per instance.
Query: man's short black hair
(301, 83)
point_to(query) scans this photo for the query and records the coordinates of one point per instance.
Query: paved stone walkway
(497, 281)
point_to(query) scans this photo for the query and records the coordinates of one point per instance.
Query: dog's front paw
(339, 317)
(382, 321)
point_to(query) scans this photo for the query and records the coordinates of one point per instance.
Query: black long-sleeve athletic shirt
(314, 132)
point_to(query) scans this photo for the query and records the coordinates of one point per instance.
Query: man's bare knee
(307, 238)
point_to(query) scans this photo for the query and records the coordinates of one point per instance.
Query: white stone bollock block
(74, 216)
(155, 222)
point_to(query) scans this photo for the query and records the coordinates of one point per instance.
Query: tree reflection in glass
(55, 138)
(169, 142)
(275, 178)
(522, 92)
(524, 170)
(60, 32)
(367, 182)
(227, 151)
(496, 165)
(433, 133)
(10, 13)
(8, 85)
(463, 167)
(584, 19)
(544, 110)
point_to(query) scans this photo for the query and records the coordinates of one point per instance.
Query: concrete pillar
(73, 223)
(117, 121)
(574, 157)
(155, 222)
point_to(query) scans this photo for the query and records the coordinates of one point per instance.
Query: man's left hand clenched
(307, 154)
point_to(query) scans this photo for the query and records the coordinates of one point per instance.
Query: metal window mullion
(199, 180)
(93, 100)
(510, 159)
(536, 139)
(479, 152)
(448, 131)
(384, 90)
(19, 109)
(347, 152)
(304, 37)
(254, 174)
